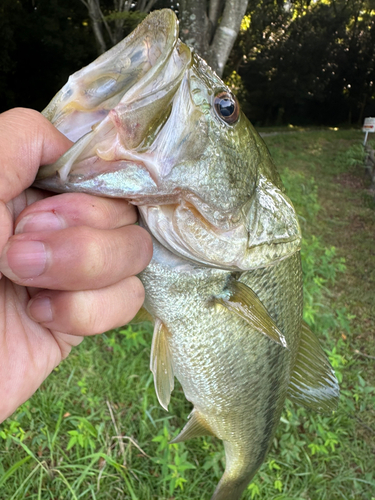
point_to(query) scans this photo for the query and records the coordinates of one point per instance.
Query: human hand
(68, 261)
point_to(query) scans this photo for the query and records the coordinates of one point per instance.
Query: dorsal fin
(244, 302)
(196, 426)
(313, 383)
(161, 364)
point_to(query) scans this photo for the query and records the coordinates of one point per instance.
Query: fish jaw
(109, 124)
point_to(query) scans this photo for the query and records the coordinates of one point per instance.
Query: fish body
(236, 378)
(154, 124)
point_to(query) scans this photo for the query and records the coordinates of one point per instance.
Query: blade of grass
(21, 487)
(13, 469)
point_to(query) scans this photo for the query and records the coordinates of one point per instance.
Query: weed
(354, 156)
(84, 436)
(173, 461)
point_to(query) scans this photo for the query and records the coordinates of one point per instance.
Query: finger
(88, 312)
(6, 225)
(10, 210)
(27, 197)
(76, 258)
(27, 141)
(75, 209)
(65, 341)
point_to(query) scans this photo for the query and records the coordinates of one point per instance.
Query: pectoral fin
(141, 316)
(244, 302)
(313, 383)
(195, 427)
(161, 364)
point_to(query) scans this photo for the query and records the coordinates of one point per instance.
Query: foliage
(320, 264)
(353, 157)
(173, 461)
(308, 62)
(296, 61)
(41, 43)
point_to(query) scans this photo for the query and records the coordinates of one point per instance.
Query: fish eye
(227, 107)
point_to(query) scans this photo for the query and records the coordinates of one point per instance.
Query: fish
(153, 124)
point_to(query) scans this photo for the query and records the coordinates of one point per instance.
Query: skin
(68, 262)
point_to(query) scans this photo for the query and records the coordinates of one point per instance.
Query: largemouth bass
(155, 125)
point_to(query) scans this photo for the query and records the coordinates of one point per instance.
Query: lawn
(95, 430)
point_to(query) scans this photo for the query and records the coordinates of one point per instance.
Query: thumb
(27, 140)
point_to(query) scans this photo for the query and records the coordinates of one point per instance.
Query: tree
(118, 15)
(210, 27)
(311, 62)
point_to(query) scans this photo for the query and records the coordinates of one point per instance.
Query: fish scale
(269, 283)
(224, 286)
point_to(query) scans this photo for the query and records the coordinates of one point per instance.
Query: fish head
(152, 123)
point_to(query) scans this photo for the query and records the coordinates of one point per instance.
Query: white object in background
(368, 126)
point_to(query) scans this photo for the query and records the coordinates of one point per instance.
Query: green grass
(96, 431)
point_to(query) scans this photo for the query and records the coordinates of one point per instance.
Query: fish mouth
(113, 105)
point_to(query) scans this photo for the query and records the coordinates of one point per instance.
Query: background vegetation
(96, 431)
(295, 61)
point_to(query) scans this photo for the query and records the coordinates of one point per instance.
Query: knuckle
(137, 290)
(26, 117)
(148, 245)
(92, 311)
(92, 258)
(24, 112)
(133, 296)
(143, 243)
(85, 317)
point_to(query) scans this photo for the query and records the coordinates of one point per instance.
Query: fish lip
(91, 183)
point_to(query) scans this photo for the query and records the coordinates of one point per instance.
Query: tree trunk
(362, 110)
(98, 21)
(211, 27)
(96, 17)
(194, 26)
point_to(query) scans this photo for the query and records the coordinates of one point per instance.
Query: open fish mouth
(115, 104)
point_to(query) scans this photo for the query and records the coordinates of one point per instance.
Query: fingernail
(40, 309)
(40, 221)
(26, 259)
